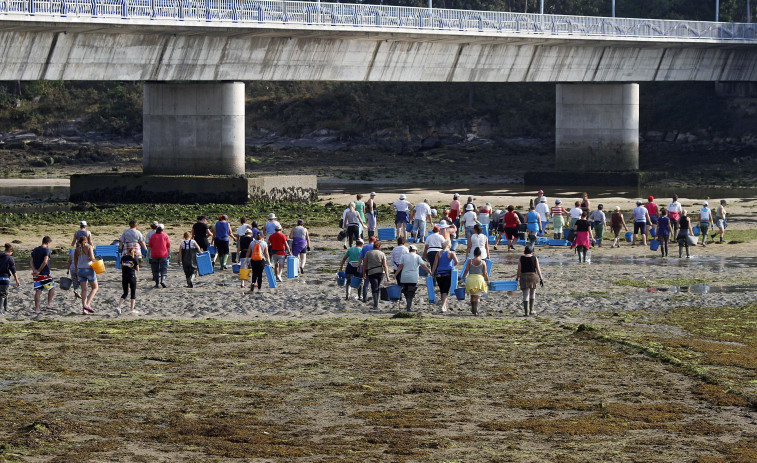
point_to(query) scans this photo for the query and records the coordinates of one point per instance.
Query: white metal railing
(375, 16)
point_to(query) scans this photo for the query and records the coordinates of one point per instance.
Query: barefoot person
(39, 264)
(477, 282)
(444, 262)
(7, 269)
(529, 273)
(84, 255)
(129, 269)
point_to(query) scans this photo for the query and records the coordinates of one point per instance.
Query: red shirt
(511, 220)
(160, 244)
(278, 243)
(651, 208)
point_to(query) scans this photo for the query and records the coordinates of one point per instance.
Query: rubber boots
(375, 300)
(530, 306)
(525, 308)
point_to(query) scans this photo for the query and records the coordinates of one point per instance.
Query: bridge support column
(597, 127)
(193, 129)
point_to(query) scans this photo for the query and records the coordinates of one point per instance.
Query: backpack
(257, 253)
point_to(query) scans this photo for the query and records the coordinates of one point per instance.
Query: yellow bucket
(244, 274)
(98, 266)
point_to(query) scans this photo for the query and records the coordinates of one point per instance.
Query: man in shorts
(721, 219)
(422, 214)
(40, 265)
(279, 247)
(640, 221)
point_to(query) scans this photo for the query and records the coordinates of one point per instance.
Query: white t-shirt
(469, 219)
(674, 206)
(243, 228)
(411, 262)
(435, 241)
(542, 209)
(422, 210)
(640, 214)
(401, 205)
(576, 212)
(397, 254)
(478, 240)
(704, 214)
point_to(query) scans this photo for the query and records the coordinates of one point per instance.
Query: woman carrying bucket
(477, 282)
(409, 275)
(374, 269)
(443, 265)
(188, 250)
(257, 255)
(352, 258)
(300, 243)
(84, 256)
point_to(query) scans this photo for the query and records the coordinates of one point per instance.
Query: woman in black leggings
(129, 269)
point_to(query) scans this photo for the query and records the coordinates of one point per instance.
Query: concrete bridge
(197, 127)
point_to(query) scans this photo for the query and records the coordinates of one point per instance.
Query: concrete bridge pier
(193, 128)
(597, 127)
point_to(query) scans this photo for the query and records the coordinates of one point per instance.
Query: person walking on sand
(674, 213)
(84, 255)
(422, 213)
(585, 204)
(640, 218)
(71, 273)
(352, 259)
(360, 266)
(300, 243)
(684, 232)
(241, 230)
(511, 226)
(129, 269)
(130, 239)
(617, 221)
(721, 220)
(371, 214)
(454, 209)
(223, 236)
(533, 225)
(476, 279)
(597, 220)
(408, 274)
(7, 269)
(485, 215)
(40, 266)
(402, 215)
(279, 247)
(353, 222)
(397, 253)
(529, 273)
(434, 245)
(160, 246)
(244, 244)
(153, 226)
(374, 269)
(478, 241)
(664, 230)
(575, 214)
(270, 226)
(654, 213)
(582, 243)
(200, 233)
(258, 255)
(82, 231)
(188, 250)
(542, 210)
(558, 219)
(468, 220)
(360, 209)
(444, 262)
(705, 220)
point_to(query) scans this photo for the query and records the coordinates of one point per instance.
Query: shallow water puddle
(705, 289)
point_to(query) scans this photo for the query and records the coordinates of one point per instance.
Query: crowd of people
(257, 245)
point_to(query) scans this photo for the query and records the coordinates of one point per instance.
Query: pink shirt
(651, 208)
(160, 244)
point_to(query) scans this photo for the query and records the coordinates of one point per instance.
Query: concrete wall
(138, 188)
(193, 129)
(597, 127)
(32, 50)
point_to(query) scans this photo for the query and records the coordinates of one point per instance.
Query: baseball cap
(705, 203)
(83, 223)
(372, 239)
(651, 198)
(248, 232)
(360, 241)
(373, 193)
(455, 196)
(403, 196)
(617, 208)
(558, 201)
(471, 198)
(277, 227)
(436, 229)
(638, 202)
(412, 247)
(154, 222)
(723, 201)
(160, 225)
(541, 191)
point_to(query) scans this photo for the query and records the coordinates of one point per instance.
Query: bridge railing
(377, 16)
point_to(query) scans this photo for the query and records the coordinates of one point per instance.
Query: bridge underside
(66, 51)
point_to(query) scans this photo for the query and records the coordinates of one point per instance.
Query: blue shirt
(366, 249)
(222, 231)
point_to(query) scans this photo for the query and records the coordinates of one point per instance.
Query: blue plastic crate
(462, 241)
(293, 267)
(430, 287)
(503, 285)
(270, 277)
(387, 234)
(204, 263)
(558, 243)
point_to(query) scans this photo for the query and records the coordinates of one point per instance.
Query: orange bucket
(98, 266)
